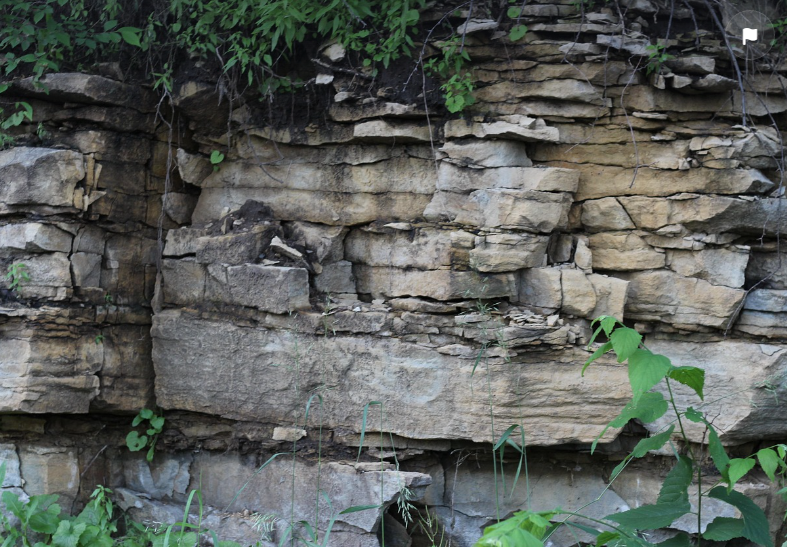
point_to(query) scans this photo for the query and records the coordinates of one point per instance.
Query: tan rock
(541, 287)
(718, 266)
(624, 251)
(564, 408)
(734, 372)
(579, 296)
(605, 214)
(437, 284)
(393, 132)
(353, 113)
(326, 243)
(484, 153)
(670, 298)
(516, 127)
(611, 294)
(336, 278)
(527, 210)
(234, 247)
(331, 208)
(565, 90)
(669, 155)
(51, 470)
(458, 179)
(508, 252)
(278, 290)
(423, 248)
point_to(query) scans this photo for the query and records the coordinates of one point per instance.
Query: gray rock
(86, 269)
(541, 287)
(718, 266)
(33, 237)
(336, 278)
(437, 284)
(458, 179)
(605, 214)
(497, 153)
(39, 176)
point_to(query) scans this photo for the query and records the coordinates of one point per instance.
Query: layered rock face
(394, 279)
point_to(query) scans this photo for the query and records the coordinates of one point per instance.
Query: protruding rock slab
(735, 376)
(429, 393)
(39, 176)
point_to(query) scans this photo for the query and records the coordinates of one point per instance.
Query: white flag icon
(749, 34)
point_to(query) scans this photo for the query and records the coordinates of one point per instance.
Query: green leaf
(68, 533)
(723, 529)
(692, 377)
(643, 447)
(517, 33)
(135, 442)
(596, 354)
(646, 369)
(738, 468)
(605, 537)
(675, 488)
(45, 522)
(131, 35)
(607, 323)
(157, 422)
(694, 415)
(650, 407)
(150, 454)
(680, 540)
(769, 462)
(755, 523)
(513, 12)
(717, 452)
(146, 414)
(216, 157)
(625, 342)
(651, 517)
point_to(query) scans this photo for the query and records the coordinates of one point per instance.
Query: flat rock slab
(244, 373)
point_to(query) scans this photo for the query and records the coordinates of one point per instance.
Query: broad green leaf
(596, 354)
(650, 407)
(135, 442)
(131, 35)
(608, 323)
(694, 415)
(769, 462)
(13, 504)
(513, 12)
(146, 413)
(44, 522)
(517, 33)
(68, 533)
(650, 517)
(157, 422)
(717, 452)
(675, 488)
(646, 369)
(692, 377)
(605, 537)
(643, 447)
(738, 468)
(680, 540)
(625, 342)
(723, 529)
(755, 523)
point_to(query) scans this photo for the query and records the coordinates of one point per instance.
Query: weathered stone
(624, 251)
(768, 270)
(76, 87)
(180, 206)
(605, 214)
(437, 284)
(718, 266)
(336, 277)
(693, 64)
(515, 127)
(417, 385)
(127, 370)
(460, 179)
(183, 241)
(669, 155)
(611, 294)
(232, 248)
(565, 90)
(766, 300)
(599, 181)
(326, 243)
(743, 411)
(393, 132)
(583, 257)
(354, 113)
(33, 237)
(51, 470)
(331, 208)
(541, 287)
(192, 167)
(39, 176)
(707, 214)
(527, 210)
(668, 297)
(423, 248)
(579, 296)
(86, 269)
(160, 479)
(497, 153)
(508, 252)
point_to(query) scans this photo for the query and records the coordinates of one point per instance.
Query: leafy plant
(646, 370)
(136, 442)
(216, 158)
(450, 67)
(15, 274)
(657, 56)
